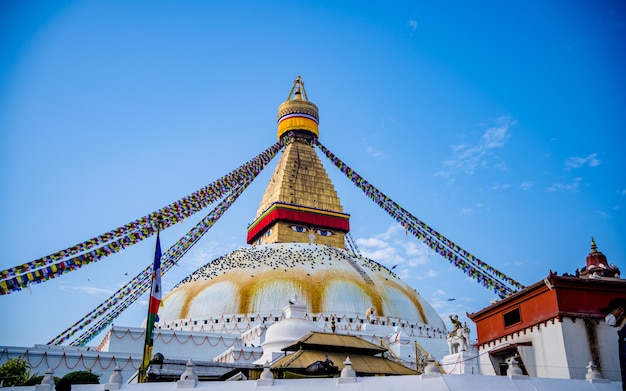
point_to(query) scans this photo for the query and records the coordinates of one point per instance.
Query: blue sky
(499, 124)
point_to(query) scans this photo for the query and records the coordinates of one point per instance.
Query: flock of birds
(285, 256)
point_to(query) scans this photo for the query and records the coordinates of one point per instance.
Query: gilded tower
(300, 203)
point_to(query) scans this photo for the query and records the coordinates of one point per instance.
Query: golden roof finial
(298, 86)
(297, 113)
(594, 248)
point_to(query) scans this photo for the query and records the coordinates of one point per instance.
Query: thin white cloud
(430, 273)
(496, 137)
(439, 300)
(370, 242)
(391, 121)
(602, 213)
(386, 256)
(526, 185)
(91, 290)
(571, 187)
(415, 248)
(418, 261)
(373, 152)
(392, 248)
(515, 262)
(471, 209)
(468, 157)
(465, 158)
(391, 232)
(413, 24)
(466, 211)
(439, 293)
(499, 163)
(581, 161)
(503, 186)
(201, 255)
(378, 248)
(404, 274)
(418, 254)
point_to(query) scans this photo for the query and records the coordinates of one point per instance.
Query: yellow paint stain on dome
(310, 287)
(174, 299)
(306, 285)
(412, 296)
(362, 296)
(217, 298)
(191, 292)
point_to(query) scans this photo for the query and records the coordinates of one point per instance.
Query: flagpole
(153, 307)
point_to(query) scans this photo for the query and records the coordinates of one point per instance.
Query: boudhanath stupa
(301, 278)
(298, 248)
(297, 253)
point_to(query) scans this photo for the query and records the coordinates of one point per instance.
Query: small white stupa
(285, 332)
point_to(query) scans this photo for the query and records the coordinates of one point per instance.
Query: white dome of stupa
(256, 280)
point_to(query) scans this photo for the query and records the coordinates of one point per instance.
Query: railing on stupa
(351, 245)
(478, 270)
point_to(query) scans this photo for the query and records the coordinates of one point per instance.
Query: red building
(555, 325)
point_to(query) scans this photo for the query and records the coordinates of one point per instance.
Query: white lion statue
(458, 338)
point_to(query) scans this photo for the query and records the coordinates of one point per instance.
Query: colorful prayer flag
(153, 309)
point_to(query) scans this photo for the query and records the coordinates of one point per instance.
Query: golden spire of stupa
(300, 203)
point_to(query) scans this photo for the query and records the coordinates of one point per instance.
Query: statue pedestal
(461, 363)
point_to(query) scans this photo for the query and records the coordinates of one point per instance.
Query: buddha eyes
(321, 232)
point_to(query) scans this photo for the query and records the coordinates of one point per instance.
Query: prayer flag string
(169, 259)
(468, 263)
(129, 293)
(92, 250)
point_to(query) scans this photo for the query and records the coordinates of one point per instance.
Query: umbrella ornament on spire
(297, 113)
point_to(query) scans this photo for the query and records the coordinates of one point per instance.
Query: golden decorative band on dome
(297, 122)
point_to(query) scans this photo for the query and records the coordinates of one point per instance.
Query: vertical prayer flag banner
(155, 294)
(153, 309)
